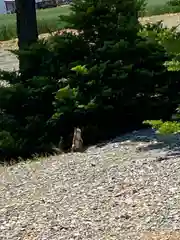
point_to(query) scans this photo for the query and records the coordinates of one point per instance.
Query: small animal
(77, 142)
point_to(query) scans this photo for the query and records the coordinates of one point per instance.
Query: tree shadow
(130, 138)
(146, 140)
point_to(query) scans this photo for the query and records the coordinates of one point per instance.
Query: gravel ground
(8, 61)
(126, 189)
(169, 20)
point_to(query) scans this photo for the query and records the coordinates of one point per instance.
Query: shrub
(26, 100)
(115, 87)
(105, 20)
(170, 39)
(156, 124)
(107, 79)
(163, 128)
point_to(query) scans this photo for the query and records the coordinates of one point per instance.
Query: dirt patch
(13, 44)
(169, 20)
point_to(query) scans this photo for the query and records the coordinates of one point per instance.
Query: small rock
(134, 191)
(95, 207)
(110, 189)
(160, 159)
(125, 216)
(93, 164)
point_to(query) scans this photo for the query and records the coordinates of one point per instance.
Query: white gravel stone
(109, 192)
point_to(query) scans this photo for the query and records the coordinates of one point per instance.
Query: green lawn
(157, 7)
(156, 2)
(47, 20)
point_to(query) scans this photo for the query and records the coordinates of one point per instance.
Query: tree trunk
(26, 23)
(26, 32)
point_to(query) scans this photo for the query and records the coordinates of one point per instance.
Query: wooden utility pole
(26, 23)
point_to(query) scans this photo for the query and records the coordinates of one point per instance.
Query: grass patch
(155, 7)
(48, 20)
(161, 9)
(156, 2)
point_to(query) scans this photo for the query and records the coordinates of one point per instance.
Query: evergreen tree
(105, 20)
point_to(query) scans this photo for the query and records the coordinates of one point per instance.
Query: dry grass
(11, 44)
